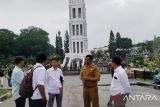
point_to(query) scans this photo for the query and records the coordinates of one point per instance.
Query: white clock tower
(78, 42)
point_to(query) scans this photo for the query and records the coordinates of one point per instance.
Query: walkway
(73, 94)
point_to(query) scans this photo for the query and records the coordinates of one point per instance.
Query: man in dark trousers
(39, 83)
(55, 83)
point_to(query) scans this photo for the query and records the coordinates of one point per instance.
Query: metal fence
(71, 71)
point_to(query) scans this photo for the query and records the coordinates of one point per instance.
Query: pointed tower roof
(76, 1)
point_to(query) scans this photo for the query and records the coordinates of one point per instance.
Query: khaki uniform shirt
(90, 71)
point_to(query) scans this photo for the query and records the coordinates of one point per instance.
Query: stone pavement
(73, 94)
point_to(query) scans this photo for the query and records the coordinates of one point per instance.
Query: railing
(74, 71)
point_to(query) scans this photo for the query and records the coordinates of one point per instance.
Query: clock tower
(78, 42)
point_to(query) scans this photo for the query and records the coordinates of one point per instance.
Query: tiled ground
(73, 94)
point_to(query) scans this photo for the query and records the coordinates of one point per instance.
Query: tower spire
(76, 1)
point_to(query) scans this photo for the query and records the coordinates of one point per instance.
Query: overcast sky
(137, 19)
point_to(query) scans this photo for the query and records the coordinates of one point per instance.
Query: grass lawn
(3, 91)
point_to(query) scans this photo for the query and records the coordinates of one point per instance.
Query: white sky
(137, 19)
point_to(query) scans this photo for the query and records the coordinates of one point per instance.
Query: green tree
(112, 44)
(66, 43)
(93, 53)
(10, 59)
(126, 43)
(124, 46)
(146, 45)
(32, 41)
(118, 40)
(59, 46)
(138, 61)
(2, 59)
(112, 37)
(156, 55)
(119, 46)
(31, 60)
(51, 49)
(8, 43)
(99, 54)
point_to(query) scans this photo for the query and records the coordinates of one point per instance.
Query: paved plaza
(73, 94)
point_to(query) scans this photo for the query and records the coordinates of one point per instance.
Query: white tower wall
(78, 42)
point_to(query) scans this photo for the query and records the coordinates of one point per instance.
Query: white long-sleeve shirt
(54, 83)
(120, 83)
(39, 78)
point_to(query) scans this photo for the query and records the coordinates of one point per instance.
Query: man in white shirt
(120, 86)
(39, 83)
(55, 83)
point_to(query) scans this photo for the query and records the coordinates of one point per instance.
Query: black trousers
(58, 99)
(20, 102)
(37, 103)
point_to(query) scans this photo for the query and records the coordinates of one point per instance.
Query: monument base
(74, 61)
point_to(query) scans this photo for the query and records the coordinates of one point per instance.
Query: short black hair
(123, 66)
(90, 56)
(41, 57)
(117, 60)
(55, 59)
(18, 59)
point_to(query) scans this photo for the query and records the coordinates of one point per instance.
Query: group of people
(6, 74)
(119, 89)
(1, 76)
(157, 76)
(48, 84)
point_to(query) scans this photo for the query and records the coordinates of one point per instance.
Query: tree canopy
(8, 43)
(112, 44)
(33, 40)
(118, 45)
(59, 46)
(66, 42)
(28, 43)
